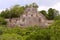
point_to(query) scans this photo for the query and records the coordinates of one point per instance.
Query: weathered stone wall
(29, 18)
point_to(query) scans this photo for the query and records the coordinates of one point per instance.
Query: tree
(52, 13)
(15, 11)
(44, 13)
(56, 12)
(5, 13)
(33, 5)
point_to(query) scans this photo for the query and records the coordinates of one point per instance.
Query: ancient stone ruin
(30, 17)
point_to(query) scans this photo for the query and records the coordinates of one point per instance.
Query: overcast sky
(43, 4)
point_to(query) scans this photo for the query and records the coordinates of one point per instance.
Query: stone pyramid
(30, 17)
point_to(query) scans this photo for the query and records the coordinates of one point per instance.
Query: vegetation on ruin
(52, 32)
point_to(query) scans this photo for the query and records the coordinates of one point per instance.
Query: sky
(43, 4)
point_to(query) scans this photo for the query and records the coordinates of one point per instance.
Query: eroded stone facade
(30, 17)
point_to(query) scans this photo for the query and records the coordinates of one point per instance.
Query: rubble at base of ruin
(30, 17)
